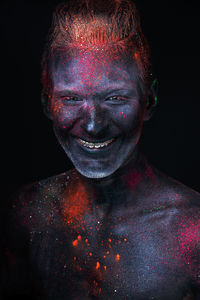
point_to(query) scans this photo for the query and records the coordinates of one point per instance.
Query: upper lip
(95, 141)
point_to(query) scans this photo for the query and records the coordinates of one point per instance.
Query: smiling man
(114, 227)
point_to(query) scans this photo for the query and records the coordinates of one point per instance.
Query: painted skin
(114, 227)
(97, 99)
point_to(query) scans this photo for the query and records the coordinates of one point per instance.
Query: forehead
(93, 68)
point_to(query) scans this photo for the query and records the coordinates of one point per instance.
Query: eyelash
(119, 98)
(68, 98)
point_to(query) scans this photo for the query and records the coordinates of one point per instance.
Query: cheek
(63, 117)
(129, 118)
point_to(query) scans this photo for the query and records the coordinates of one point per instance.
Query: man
(114, 227)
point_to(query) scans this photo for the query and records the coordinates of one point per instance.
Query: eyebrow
(108, 90)
(64, 91)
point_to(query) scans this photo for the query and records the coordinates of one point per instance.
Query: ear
(152, 100)
(46, 103)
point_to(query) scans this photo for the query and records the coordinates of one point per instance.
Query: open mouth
(90, 145)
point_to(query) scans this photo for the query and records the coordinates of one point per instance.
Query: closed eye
(70, 98)
(116, 99)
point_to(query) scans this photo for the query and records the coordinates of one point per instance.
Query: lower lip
(95, 149)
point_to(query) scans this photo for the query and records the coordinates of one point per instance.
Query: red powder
(95, 289)
(76, 204)
(117, 257)
(149, 173)
(97, 265)
(189, 238)
(134, 178)
(189, 241)
(75, 243)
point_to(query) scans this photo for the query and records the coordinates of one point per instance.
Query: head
(96, 83)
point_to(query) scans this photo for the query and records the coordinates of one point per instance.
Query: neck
(118, 188)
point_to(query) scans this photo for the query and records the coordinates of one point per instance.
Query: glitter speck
(117, 257)
(75, 243)
(97, 265)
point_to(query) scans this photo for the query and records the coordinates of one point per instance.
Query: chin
(100, 171)
(94, 171)
(93, 174)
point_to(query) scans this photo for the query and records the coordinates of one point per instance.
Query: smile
(95, 145)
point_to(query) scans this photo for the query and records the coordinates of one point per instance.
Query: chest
(119, 262)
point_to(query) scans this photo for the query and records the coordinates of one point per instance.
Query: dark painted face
(97, 111)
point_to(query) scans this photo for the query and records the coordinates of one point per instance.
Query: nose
(94, 120)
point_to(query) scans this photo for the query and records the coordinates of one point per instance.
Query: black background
(170, 139)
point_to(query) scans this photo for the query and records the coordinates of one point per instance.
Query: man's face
(97, 111)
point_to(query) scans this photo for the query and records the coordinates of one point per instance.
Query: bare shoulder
(172, 206)
(43, 190)
(174, 217)
(32, 204)
(173, 193)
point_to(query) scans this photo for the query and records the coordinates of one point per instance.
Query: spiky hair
(94, 24)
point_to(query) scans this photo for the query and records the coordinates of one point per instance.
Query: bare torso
(142, 251)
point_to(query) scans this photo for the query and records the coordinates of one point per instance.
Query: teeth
(95, 145)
